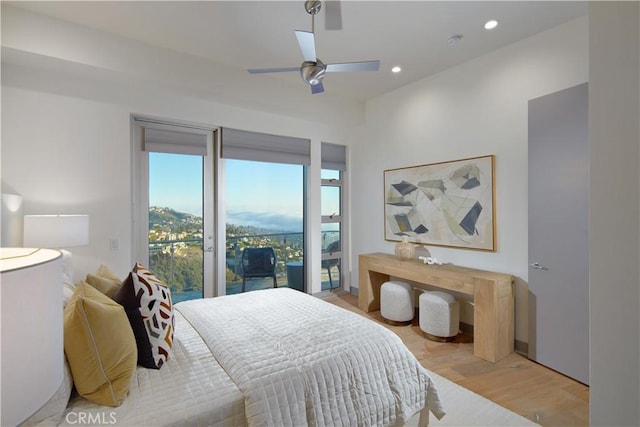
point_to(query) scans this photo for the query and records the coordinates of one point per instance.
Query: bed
(275, 357)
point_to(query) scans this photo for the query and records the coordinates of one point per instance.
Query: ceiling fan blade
(272, 70)
(317, 88)
(354, 66)
(307, 43)
(332, 15)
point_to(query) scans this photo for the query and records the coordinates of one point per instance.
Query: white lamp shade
(32, 324)
(56, 231)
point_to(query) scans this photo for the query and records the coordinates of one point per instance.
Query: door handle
(537, 266)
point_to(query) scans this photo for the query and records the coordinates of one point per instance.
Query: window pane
(265, 204)
(330, 233)
(331, 275)
(331, 256)
(330, 174)
(175, 223)
(330, 200)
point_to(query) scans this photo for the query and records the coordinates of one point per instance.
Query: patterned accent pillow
(147, 302)
(156, 308)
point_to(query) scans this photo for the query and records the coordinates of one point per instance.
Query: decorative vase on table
(405, 250)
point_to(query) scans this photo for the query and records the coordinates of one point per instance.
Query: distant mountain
(170, 218)
(243, 230)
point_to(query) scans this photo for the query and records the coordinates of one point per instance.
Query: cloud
(268, 220)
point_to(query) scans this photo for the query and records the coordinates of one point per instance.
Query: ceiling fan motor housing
(313, 72)
(312, 6)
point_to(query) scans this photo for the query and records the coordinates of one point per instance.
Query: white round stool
(439, 315)
(396, 303)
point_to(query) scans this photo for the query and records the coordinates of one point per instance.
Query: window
(333, 165)
(264, 208)
(265, 205)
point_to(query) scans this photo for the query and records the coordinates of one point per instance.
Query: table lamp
(56, 231)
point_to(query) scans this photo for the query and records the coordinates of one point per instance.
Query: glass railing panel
(288, 247)
(179, 264)
(330, 234)
(331, 277)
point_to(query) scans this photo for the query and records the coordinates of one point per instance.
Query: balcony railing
(179, 262)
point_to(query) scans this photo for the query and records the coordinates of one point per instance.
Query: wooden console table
(493, 319)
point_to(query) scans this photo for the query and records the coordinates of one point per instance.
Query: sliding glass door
(204, 248)
(174, 235)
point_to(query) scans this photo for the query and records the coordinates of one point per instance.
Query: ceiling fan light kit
(313, 70)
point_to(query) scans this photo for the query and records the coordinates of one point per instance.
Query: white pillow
(52, 411)
(67, 277)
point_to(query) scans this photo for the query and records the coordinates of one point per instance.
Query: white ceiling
(260, 34)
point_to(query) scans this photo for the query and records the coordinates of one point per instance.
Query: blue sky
(268, 195)
(175, 181)
(265, 195)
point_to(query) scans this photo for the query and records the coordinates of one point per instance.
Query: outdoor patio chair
(330, 263)
(258, 262)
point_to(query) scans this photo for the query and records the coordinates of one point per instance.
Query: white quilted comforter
(301, 361)
(191, 389)
(276, 357)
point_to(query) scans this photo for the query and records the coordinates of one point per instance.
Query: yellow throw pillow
(104, 280)
(104, 271)
(104, 285)
(99, 345)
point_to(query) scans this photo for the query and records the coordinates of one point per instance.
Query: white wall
(72, 154)
(65, 115)
(474, 109)
(614, 212)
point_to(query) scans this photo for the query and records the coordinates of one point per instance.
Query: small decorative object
(430, 260)
(405, 250)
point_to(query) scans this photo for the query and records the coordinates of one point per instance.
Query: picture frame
(449, 204)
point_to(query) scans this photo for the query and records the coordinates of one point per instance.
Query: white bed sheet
(301, 361)
(191, 389)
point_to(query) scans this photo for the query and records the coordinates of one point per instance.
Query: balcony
(179, 263)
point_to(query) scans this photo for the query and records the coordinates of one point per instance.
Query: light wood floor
(515, 382)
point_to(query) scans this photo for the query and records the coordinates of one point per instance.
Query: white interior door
(558, 232)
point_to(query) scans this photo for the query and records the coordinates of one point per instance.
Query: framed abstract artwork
(442, 204)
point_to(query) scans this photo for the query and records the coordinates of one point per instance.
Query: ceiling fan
(313, 69)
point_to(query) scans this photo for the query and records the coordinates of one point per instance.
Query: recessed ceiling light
(490, 25)
(396, 69)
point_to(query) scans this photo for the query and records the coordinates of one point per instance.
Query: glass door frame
(140, 196)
